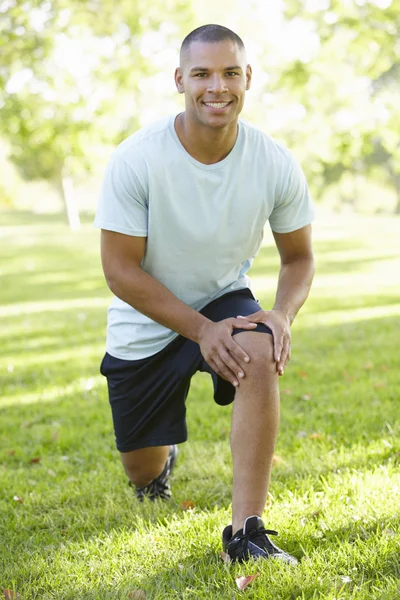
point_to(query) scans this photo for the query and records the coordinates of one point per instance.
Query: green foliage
(79, 533)
(351, 84)
(53, 117)
(336, 102)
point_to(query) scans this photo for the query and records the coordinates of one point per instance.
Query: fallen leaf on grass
(243, 582)
(315, 436)
(35, 460)
(18, 499)
(137, 595)
(306, 397)
(51, 472)
(277, 460)
(303, 374)
(187, 505)
(11, 452)
(225, 557)
(11, 595)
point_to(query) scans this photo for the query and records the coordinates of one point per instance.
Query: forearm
(294, 284)
(153, 299)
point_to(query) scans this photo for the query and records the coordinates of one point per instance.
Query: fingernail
(235, 383)
(246, 359)
(241, 374)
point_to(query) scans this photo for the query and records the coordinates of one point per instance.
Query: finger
(284, 355)
(242, 324)
(231, 363)
(237, 351)
(224, 372)
(249, 318)
(278, 345)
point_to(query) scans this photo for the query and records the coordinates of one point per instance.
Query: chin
(218, 122)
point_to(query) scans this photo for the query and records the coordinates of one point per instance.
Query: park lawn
(70, 527)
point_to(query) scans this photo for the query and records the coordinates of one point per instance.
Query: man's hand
(279, 324)
(220, 350)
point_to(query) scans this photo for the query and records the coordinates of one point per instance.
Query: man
(182, 213)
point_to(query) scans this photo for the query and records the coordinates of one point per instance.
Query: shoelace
(252, 535)
(156, 488)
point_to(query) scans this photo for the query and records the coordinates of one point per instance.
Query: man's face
(214, 78)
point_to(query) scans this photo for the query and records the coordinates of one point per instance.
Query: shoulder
(144, 140)
(256, 137)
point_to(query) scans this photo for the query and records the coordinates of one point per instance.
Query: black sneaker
(160, 487)
(253, 542)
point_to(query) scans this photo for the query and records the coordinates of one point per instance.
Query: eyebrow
(234, 68)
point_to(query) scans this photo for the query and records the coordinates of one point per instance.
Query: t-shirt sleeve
(293, 207)
(123, 202)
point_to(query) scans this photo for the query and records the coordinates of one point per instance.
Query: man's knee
(144, 465)
(260, 348)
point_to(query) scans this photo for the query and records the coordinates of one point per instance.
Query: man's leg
(144, 465)
(255, 423)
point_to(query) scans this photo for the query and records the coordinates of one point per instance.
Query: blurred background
(79, 76)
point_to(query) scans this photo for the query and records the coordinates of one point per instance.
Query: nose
(217, 85)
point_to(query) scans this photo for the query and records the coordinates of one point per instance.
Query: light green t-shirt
(204, 223)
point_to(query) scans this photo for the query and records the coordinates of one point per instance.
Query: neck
(205, 144)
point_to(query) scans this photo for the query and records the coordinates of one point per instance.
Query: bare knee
(260, 348)
(144, 465)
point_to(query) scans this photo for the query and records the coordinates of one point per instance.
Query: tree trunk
(65, 188)
(397, 187)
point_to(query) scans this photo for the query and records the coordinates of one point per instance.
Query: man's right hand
(220, 350)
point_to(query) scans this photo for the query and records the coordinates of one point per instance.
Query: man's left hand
(279, 324)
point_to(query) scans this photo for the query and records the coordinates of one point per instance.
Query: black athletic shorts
(147, 396)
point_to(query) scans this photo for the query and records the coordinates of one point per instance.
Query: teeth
(217, 104)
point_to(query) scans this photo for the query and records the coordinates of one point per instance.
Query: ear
(249, 74)
(179, 80)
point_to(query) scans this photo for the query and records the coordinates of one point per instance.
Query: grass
(335, 495)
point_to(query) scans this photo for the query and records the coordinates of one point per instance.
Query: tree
(58, 112)
(350, 89)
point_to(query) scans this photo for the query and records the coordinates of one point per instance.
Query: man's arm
(122, 257)
(296, 272)
(295, 278)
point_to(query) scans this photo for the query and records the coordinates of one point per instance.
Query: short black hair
(211, 34)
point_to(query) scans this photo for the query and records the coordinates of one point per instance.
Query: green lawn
(70, 527)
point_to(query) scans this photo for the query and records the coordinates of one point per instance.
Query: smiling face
(214, 78)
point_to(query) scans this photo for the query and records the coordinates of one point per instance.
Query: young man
(182, 213)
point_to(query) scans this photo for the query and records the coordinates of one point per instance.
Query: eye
(200, 75)
(232, 73)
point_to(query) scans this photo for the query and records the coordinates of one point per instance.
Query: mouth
(217, 106)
